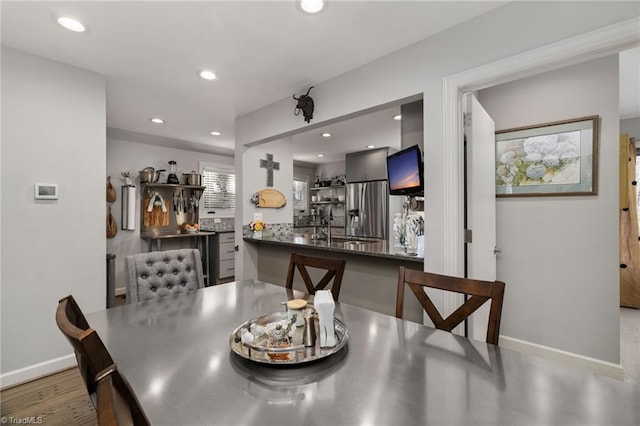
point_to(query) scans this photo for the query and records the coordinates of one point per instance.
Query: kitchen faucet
(328, 233)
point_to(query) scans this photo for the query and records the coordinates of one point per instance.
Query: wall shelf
(318, 188)
(172, 185)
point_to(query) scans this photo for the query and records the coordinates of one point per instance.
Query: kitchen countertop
(379, 248)
(176, 235)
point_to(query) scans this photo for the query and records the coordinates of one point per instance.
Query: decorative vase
(257, 234)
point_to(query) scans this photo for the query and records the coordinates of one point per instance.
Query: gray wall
(413, 125)
(132, 156)
(420, 68)
(329, 170)
(631, 127)
(560, 254)
(53, 131)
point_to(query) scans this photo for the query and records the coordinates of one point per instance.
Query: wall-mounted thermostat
(46, 191)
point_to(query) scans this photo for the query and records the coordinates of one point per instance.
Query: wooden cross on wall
(270, 165)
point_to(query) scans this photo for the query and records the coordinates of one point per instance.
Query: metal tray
(295, 353)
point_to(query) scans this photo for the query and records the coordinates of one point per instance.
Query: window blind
(220, 192)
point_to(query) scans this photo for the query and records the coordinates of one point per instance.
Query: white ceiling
(150, 53)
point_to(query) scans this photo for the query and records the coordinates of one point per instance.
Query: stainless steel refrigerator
(367, 213)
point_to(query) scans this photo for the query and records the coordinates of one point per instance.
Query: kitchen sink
(355, 243)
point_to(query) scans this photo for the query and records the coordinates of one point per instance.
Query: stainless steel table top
(175, 354)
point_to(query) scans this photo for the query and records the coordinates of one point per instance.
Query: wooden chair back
(334, 267)
(117, 405)
(91, 354)
(480, 292)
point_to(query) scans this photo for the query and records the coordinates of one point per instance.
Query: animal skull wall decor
(305, 104)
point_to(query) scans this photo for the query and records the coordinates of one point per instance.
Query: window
(300, 195)
(220, 192)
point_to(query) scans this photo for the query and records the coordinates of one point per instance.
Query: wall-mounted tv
(405, 172)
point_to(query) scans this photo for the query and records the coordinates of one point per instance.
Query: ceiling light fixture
(156, 120)
(312, 6)
(371, 146)
(320, 155)
(208, 75)
(71, 24)
(397, 117)
(326, 135)
(215, 133)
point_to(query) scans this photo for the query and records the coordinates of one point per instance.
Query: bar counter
(371, 248)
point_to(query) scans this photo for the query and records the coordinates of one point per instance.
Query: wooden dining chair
(480, 292)
(91, 354)
(334, 267)
(117, 405)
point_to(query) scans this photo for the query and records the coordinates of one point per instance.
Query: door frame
(585, 47)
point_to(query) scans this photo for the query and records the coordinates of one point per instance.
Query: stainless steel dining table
(176, 356)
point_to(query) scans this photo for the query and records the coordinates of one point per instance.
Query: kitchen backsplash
(225, 224)
(304, 221)
(272, 230)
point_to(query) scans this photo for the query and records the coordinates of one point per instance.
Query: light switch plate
(257, 216)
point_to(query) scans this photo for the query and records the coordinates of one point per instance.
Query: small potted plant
(257, 226)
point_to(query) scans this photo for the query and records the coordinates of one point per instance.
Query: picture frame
(559, 158)
(46, 191)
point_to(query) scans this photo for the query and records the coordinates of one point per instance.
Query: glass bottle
(278, 338)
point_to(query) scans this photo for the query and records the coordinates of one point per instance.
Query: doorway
(511, 69)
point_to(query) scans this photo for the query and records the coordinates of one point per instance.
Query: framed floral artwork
(551, 159)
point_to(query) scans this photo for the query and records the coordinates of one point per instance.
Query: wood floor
(58, 399)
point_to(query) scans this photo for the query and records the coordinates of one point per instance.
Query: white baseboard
(592, 365)
(36, 371)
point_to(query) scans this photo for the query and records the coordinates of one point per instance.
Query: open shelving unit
(319, 205)
(155, 235)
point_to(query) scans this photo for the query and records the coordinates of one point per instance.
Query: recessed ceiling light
(214, 133)
(371, 146)
(156, 120)
(312, 6)
(71, 24)
(326, 135)
(320, 155)
(397, 117)
(208, 75)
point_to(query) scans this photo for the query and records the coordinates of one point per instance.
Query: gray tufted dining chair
(162, 273)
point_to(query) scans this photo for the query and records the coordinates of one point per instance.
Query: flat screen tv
(405, 172)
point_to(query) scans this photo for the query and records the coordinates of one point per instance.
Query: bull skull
(305, 104)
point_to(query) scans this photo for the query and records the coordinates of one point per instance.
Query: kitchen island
(370, 277)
